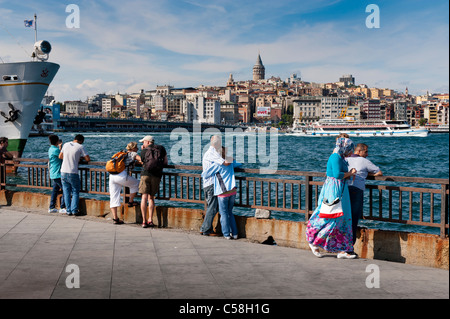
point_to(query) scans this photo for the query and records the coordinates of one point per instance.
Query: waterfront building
(229, 112)
(134, 106)
(443, 113)
(371, 109)
(307, 109)
(159, 102)
(202, 110)
(400, 110)
(430, 112)
(76, 107)
(107, 104)
(331, 107)
(259, 71)
(174, 104)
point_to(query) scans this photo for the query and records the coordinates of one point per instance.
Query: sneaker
(315, 250)
(345, 255)
(52, 210)
(63, 211)
(235, 236)
(227, 237)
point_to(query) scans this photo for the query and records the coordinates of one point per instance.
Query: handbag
(333, 209)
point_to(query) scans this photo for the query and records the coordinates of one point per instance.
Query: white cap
(147, 138)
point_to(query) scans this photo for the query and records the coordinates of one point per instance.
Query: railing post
(308, 197)
(2, 177)
(444, 211)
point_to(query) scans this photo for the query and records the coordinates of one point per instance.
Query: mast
(35, 28)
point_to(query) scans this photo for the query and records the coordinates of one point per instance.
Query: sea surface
(426, 157)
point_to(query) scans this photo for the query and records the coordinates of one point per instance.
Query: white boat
(437, 128)
(367, 128)
(22, 88)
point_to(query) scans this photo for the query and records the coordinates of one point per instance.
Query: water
(396, 156)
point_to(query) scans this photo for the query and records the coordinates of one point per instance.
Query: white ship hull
(368, 133)
(22, 88)
(374, 128)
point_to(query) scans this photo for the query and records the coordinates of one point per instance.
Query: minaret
(258, 70)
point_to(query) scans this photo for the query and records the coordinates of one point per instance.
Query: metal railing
(389, 199)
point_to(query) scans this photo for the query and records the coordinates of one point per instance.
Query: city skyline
(126, 48)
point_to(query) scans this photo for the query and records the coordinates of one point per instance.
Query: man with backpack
(154, 158)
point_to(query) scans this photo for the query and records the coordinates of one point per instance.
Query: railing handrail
(261, 190)
(407, 179)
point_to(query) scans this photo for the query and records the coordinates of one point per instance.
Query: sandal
(144, 225)
(150, 224)
(117, 221)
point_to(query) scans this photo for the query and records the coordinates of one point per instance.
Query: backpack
(153, 159)
(116, 164)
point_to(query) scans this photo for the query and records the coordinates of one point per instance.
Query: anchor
(13, 114)
(39, 117)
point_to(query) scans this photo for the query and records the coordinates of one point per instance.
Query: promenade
(41, 255)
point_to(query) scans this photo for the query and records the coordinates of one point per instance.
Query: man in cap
(154, 158)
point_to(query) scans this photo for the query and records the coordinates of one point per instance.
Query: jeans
(357, 203)
(227, 220)
(71, 191)
(212, 207)
(57, 186)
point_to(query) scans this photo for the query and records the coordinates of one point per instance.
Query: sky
(126, 46)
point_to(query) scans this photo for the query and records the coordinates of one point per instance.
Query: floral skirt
(332, 234)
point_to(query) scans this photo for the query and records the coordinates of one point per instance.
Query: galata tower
(258, 70)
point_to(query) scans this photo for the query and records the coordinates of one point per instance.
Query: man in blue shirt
(357, 185)
(54, 168)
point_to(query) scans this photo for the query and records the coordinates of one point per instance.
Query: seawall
(410, 248)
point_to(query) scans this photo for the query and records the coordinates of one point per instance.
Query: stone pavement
(42, 255)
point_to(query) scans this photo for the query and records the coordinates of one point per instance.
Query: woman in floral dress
(334, 234)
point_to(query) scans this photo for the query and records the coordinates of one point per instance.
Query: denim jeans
(212, 207)
(227, 220)
(57, 186)
(71, 191)
(357, 203)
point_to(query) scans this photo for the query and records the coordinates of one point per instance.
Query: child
(54, 167)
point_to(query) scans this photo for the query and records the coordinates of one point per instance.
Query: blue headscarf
(344, 146)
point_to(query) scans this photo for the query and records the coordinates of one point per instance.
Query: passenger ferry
(354, 128)
(437, 128)
(22, 87)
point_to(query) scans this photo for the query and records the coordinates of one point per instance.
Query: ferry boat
(22, 88)
(354, 128)
(437, 128)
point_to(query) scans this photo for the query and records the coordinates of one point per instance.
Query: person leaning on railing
(123, 179)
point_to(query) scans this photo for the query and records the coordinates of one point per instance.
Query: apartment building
(76, 107)
(331, 107)
(202, 110)
(307, 109)
(371, 109)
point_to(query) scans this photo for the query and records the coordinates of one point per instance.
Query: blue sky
(125, 46)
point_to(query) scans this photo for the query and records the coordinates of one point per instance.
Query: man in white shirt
(356, 186)
(71, 153)
(212, 155)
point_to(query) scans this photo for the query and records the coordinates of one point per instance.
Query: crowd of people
(332, 226)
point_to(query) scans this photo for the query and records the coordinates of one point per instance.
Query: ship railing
(388, 199)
